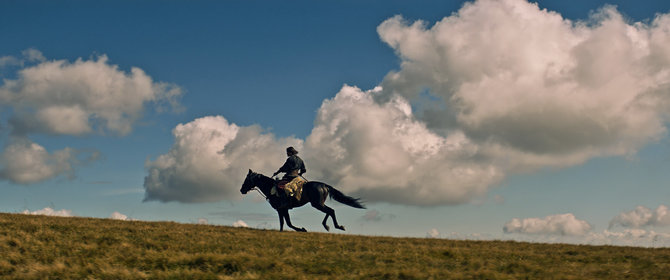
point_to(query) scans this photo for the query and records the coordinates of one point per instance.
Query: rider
(293, 167)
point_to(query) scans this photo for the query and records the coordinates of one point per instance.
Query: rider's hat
(291, 151)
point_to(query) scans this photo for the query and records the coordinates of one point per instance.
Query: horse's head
(249, 182)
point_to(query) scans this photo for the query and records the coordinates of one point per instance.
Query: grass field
(41, 247)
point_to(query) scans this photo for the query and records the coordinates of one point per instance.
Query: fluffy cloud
(632, 237)
(48, 211)
(566, 228)
(63, 98)
(383, 153)
(209, 160)
(499, 87)
(563, 224)
(376, 151)
(641, 217)
(25, 162)
(240, 223)
(8, 61)
(433, 233)
(29, 55)
(59, 97)
(627, 237)
(33, 55)
(531, 86)
(118, 216)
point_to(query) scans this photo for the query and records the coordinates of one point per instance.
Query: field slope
(40, 247)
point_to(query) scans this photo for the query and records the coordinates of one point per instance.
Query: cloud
(62, 98)
(381, 152)
(209, 160)
(433, 233)
(119, 216)
(203, 221)
(532, 87)
(29, 55)
(25, 162)
(633, 237)
(376, 151)
(641, 217)
(8, 61)
(566, 228)
(33, 55)
(59, 97)
(499, 87)
(240, 223)
(562, 224)
(48, 211)
(627, 237)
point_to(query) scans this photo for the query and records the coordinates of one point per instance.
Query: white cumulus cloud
(240, 223)
(29, 55)
(499, 87)
(633, 237)
(383, 153)
(376, 151)
(69, 98)
(209, 160)
(118, 216)
(641, 217)
(59, 97)
(532, 87)
(562, 224)
(433, 233)
(25, 162)
(48, 211)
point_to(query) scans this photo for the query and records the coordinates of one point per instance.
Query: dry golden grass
(40, 247)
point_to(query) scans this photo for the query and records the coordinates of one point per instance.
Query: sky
(491, 119)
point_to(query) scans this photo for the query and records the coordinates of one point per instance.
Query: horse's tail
(341, 198)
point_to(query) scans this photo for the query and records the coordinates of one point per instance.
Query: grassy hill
(40, 247)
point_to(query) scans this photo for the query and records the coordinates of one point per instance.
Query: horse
(312, 192)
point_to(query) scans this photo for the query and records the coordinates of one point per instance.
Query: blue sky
(285, 72)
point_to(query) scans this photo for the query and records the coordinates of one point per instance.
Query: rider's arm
(284, 168)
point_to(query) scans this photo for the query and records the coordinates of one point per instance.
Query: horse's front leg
(284, 213)
(281, 221)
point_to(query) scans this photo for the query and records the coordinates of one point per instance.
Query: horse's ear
(250, 172)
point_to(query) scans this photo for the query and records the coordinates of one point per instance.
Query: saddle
(292, 188)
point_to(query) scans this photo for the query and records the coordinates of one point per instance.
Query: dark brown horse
(312, 192)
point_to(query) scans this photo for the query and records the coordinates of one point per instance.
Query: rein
(260, 192)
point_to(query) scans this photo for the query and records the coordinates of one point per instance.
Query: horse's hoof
(303, 230)
(327, 227)
(339, 227)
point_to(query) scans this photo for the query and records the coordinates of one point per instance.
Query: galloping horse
(312, 192)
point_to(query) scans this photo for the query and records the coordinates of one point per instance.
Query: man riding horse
(291, 183)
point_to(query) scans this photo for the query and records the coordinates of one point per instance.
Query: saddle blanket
(292, 188)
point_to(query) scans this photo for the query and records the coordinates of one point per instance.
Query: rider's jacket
(293, 167)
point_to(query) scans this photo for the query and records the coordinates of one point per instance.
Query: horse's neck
(265, 184)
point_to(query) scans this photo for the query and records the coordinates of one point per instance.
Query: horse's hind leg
(324, 222)
(332, 214)
(329, 212)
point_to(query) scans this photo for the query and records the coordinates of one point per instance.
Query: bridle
(260, 192)
(256, 188)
